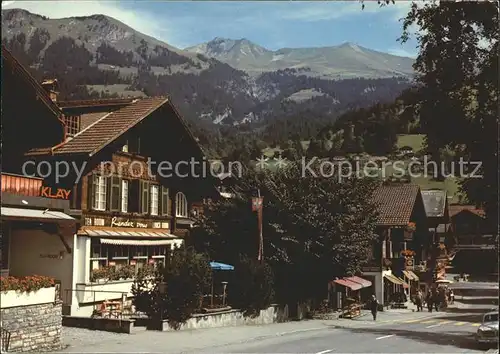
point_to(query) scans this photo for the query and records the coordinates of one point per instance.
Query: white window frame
(103, 255)
(124, 187)
(100, 193)
(181, 205)
(154, 191)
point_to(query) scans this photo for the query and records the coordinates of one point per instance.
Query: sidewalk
(81, 340)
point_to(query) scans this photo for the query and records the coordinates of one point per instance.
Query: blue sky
(272, 25)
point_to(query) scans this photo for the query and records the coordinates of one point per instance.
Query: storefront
(37, 233)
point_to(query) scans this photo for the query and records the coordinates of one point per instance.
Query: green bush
(253, 288)
(187, 276)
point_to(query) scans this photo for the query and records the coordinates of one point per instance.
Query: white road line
(390, 335)
(432, 326)
(325, 351)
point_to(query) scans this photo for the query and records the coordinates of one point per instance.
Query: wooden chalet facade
(129, 172)
(403, 244)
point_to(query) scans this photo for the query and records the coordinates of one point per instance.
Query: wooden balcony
(21, 185)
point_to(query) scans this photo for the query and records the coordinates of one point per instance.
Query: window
(181, 207)
(124, 196)
(120, 256)
(158, 254)
(100, 189)
(72, 125)
(144, 197)
(99, 255)
(154, 200)
(115, 195)
(165, 202)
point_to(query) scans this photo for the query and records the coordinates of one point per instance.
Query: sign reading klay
(55, 193)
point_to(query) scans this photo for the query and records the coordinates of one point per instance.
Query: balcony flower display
(26, 284)
(411, 227)
(408, 253)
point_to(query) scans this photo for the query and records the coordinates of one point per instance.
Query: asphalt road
(435, 333)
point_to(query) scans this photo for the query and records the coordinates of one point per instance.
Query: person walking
(452, 297)
(436, 299)
(374, 306)
(429, 301)
(418, 301)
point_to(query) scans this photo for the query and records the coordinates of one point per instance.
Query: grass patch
(415, 141)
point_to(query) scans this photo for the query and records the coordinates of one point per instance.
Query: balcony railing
(21, 185)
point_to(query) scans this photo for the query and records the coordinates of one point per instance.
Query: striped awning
(365, 283)
(348, 284)
(125, 233)
(110, 241)
(393, 279)
(410, 275)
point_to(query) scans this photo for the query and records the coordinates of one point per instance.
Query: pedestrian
(452, 297)
(418, 301)
(429, 301)
(374, 306)
(435, 299)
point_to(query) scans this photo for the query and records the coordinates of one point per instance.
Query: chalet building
(403, 245)
(133, 213)
(474, 240)
(27, 112)
(131, 177)
(437, 210)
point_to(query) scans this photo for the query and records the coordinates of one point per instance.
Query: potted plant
(411, 227)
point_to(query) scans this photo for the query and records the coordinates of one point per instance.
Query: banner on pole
(257, 203)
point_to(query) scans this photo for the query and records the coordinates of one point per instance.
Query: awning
(410, 275)
(220, 266)
(111, 241)
(393, 279)
(348, 284)
(415, 277)
(35, 214)
(365, 283)
(127, 233)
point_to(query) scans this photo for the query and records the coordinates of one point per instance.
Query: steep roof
(96, 103)
(395, 203)
(107, 127)
(434, 202)
(456, 209)
(40, 92)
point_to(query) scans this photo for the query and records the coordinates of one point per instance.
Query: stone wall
(33, 328)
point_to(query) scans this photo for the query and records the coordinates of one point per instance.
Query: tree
(458, 87)
(312, 225)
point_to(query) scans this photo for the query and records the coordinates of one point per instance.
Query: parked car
(487, 333)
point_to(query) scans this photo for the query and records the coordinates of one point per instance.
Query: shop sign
(55, 193)
(115, 222)
(409, 263)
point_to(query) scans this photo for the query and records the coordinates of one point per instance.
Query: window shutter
(134, 196)
(91, 181)
(145, 197)
(164, 201)
(115, 194)
(108, 192)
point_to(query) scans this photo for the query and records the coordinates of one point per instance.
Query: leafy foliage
(311, 225)
(458, 87)
(253, 288)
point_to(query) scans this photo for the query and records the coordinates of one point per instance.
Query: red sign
(56, 193)
(257, 203)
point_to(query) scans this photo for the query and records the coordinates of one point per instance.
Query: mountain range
(224, 81)
(347, 60)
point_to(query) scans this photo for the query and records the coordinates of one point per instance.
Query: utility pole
(257, 205)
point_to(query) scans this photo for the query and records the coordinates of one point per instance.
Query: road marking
(432, 326)
(445, 322)
(429, 321)
(390, 335)
(411, 321)
(325, 351)
(459, 323)
(475, 324)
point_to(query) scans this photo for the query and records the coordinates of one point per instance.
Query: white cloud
(320, 11)
(138, 20)
(402, 52)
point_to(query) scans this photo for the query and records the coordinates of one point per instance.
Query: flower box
(13, 298)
